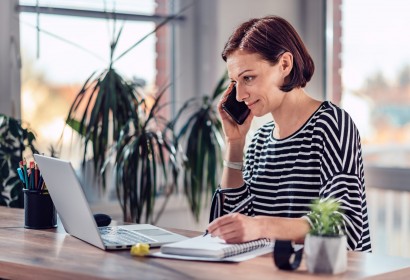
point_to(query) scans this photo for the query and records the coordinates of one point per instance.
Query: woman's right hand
(232, 130)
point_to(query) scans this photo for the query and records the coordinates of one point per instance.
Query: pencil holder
(39, 210)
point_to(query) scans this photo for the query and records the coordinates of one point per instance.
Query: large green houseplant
(115, 113)
(112, 116)
(144, 150)
(202, 140)
(105, 103)
(145, 155)
(326, 243)
(15, 140)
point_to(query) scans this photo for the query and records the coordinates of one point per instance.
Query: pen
(32, 183)
(40, 183)
(25, 173)
(238, 208)
(36, 176)
(20, 172)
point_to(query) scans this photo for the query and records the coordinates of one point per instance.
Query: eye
(248, 79)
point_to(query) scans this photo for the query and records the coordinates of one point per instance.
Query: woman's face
(257, 81)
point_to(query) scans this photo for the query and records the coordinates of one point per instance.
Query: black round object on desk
(282, 255)
(102, 220)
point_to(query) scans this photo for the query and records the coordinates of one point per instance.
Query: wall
(201, 38)
(10, 62)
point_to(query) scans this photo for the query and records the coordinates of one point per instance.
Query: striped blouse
(322, 159)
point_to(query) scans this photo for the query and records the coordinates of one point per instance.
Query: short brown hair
(270, 37)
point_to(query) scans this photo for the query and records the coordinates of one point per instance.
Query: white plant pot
(326, 254)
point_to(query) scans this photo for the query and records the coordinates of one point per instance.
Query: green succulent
(326, 217)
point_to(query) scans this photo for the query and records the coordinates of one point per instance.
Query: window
(376, 92)
(376, 77)
(59, 58)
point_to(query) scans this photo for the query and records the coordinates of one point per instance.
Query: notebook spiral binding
(241, 248)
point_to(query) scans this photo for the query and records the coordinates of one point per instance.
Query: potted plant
(115, 116)
(110, 101)
(202, 141)
(143, 147)
(104, 105)
(14, 141)
(326, 243)
(144, 153)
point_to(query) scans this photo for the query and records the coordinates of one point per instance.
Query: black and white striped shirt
(322, 159)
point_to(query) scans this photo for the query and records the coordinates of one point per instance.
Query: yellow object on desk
(140, 249)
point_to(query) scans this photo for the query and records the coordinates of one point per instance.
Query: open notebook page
(212, 247)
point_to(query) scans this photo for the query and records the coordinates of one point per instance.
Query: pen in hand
(238, 208)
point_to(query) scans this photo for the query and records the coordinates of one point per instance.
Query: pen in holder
(39, 210)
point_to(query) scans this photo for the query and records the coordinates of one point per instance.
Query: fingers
(229, 228)
(218, 224)
(233, 237)
(228, 90)
(225, 94)
(227, 120)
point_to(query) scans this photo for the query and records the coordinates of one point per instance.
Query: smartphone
(237, 110)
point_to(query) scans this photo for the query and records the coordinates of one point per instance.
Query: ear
(286, 63)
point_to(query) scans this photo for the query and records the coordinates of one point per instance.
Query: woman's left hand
(235, 228)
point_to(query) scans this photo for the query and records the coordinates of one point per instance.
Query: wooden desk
(53, 254)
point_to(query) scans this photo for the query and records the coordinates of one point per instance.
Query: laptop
(78, 220)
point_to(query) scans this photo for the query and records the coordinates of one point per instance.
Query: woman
(310, 150)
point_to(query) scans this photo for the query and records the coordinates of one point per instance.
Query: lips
(251, 104)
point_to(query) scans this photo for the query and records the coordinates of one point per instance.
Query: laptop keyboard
(119, 236)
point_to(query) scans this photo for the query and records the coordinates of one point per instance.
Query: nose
(241, 94)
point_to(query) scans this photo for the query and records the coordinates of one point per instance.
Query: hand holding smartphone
(237, 110)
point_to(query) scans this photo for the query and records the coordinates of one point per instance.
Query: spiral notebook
(213, 248)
